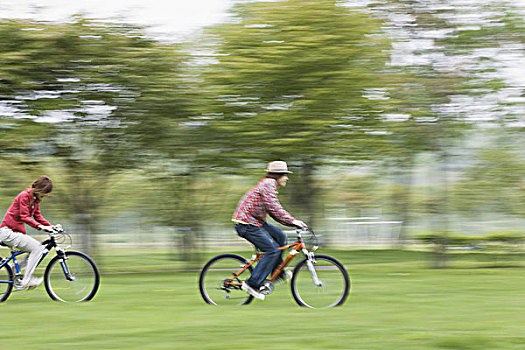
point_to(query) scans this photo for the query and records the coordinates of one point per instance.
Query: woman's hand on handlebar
(46, 228)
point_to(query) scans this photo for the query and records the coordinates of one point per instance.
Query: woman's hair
(42, 185)
(275, 176)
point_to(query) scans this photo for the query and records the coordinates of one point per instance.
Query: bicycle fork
(310, 261)
(67, 273)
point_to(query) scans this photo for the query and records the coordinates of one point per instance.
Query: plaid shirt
(259, 201)
(25, 207)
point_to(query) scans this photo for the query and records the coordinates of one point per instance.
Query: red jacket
(25, 207)
(259, 201)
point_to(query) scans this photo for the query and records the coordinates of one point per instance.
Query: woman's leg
(36, 250)
(28, 244)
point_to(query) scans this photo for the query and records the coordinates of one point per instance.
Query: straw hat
(278, 167)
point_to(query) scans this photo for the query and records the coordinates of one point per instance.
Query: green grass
(396, 303)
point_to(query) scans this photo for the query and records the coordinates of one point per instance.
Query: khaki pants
(25, 243)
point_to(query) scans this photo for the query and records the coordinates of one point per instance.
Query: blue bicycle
(70, 276)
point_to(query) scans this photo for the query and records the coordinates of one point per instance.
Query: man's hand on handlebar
(299, 224)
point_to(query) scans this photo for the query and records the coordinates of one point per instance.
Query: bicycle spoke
(6, 282)
(73, 279)
(327, 286)
(217, 282)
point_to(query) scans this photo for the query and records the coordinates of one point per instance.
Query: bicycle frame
(70, 275)
(49, 244)
(15, 262)
(297, 247)
(317, 281)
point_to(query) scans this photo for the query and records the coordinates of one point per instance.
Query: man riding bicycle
(250, 219)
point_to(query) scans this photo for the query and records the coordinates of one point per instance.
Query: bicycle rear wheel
(333, 283)
(6, 282)
(73, 278)
(219, 286)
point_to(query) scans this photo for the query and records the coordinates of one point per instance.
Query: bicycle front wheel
(322, 285)
(6, 282)
(218, 283)
(72, 277)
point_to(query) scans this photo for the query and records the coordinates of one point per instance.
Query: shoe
(255, 293)
(34, 282)
(284, 276)
(18, 285)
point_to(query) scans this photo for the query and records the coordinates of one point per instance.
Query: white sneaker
(18, 285)
(34, 282)
(246, 287)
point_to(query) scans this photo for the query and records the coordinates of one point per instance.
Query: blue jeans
(266, 238)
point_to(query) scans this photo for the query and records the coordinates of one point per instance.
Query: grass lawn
(396, 303)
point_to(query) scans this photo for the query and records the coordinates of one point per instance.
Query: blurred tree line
(356, 99)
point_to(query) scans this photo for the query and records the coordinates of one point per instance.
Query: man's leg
(279, 237)
(263, 241)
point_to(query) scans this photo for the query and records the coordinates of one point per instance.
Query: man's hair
(275, 176)
(42, 185)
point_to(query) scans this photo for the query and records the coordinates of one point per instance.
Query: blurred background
(402, 120)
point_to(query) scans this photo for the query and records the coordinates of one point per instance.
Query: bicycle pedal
(266, 288)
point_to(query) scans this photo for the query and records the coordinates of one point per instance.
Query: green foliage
(288, 78)
(494, 181)
(125, 123)
(99, 87)
(450, 239)
(511, 237)
(455, 239)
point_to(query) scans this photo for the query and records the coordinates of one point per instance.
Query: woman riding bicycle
(250, 218)
(26, 210)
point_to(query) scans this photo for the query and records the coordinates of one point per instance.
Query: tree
(286, 81)
(106, 93)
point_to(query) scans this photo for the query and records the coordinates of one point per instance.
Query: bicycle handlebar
(55, 230)
(58, 230)
(300, 230)
(58, 237)
(314, 239)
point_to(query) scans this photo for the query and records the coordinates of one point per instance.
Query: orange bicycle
(318, 281)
